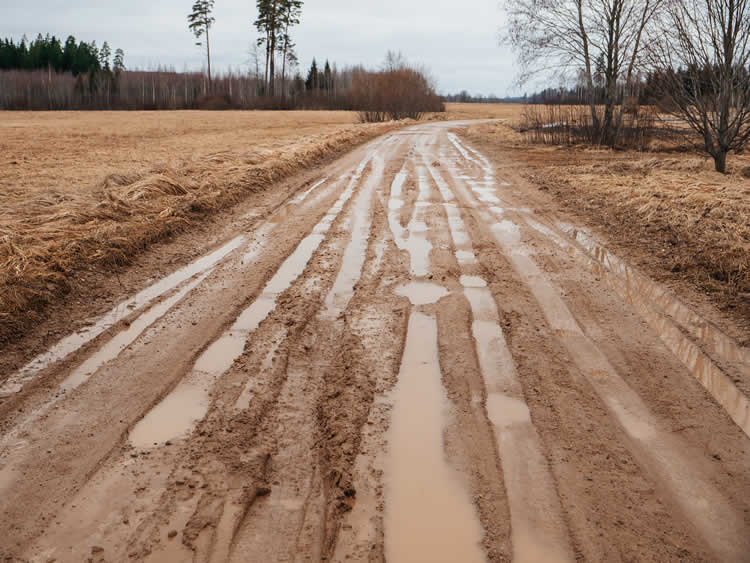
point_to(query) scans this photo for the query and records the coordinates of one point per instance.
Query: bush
(393, 94)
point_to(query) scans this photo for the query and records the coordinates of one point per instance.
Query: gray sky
(457, 41)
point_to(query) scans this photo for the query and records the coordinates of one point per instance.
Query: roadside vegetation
(91, 191)
(687, 59)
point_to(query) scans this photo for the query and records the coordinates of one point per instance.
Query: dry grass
(694, 221)
(97, 188)
(510, 112)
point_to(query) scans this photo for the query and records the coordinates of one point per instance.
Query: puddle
(417, 244)
(122, 340)
(473, 281)
(355, 253)
(429, 515)
(505, 411)
(176, 415)
(75, 341)
(422, 293)
(188, 403)
(300, 198)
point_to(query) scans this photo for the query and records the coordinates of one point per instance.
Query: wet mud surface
(406, 356)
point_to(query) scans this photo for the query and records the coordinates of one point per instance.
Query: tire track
(713, 516)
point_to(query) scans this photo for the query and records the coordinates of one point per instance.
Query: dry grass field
(97, 187)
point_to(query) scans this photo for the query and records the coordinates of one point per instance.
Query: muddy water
(75, 341)
(664, 454)
(422, 293)
(538, 528)
(428, 513)
(356, 251)
(178, 413)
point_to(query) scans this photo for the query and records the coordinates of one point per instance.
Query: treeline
(397, 91)
(464, 97)
(49, 53)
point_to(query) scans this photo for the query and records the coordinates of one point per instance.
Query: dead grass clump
(702, 217)
(46, 236)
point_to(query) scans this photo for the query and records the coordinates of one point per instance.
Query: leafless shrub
(394, 93)
(555, 124)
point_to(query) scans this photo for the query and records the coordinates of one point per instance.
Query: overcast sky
(456, 40)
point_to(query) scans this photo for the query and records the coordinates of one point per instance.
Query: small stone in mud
(96, 549)
(172, 534)
(263, 491)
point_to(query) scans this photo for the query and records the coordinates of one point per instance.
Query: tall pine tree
(200, 21)
(275, 17)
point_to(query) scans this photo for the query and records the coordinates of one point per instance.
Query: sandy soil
(408, 354)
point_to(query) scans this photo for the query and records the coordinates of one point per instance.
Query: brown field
(98, 187)
(511, 112)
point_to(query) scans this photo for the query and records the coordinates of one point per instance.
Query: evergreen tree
(312, 76)
(104, 56)
(200, 21)
(119, 62)
(275, 17)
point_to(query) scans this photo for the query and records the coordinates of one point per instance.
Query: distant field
(483, 111)
(75, 150)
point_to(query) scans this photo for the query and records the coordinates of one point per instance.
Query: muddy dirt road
(406, 360)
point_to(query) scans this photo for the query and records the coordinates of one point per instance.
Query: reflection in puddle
(422, 293)
(122, 340)
(74, 342)
(428, 512)
(191, 396)
(175, 416)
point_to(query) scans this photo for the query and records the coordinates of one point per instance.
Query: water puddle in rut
(422, 293)
(75, 341)
(188, 403)
(429, 515)
(538, 530)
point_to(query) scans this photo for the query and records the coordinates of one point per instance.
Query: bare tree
(703, 55)
(584, 38)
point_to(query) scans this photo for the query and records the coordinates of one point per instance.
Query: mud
(410, 356)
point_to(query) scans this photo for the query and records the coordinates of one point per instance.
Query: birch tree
(564, 38)
(703, 57)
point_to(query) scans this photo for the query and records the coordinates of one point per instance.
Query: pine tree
(275, 17)
(312, 77)
(104, 56)
(119, 62)
(200, 21)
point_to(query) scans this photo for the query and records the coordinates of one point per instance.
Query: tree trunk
(208, 57)
(720, 161)
(273, 23)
